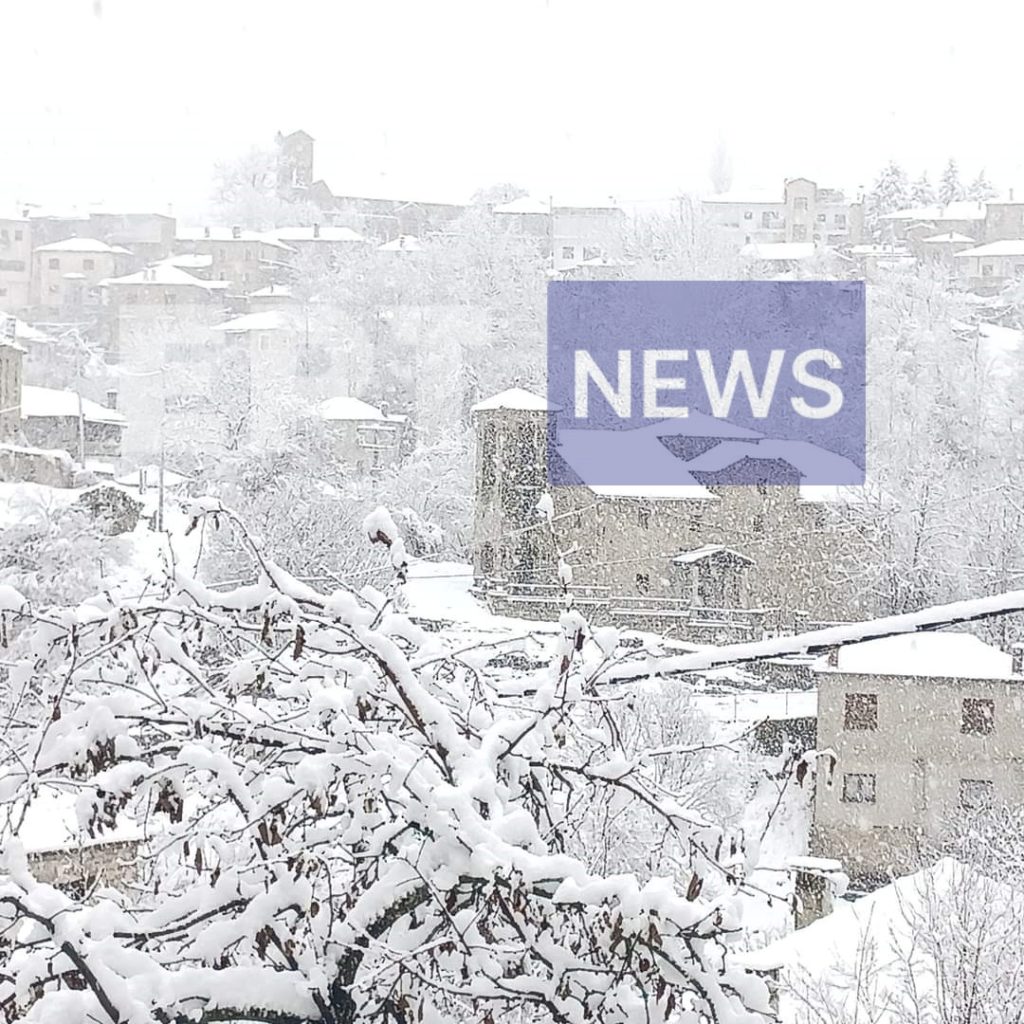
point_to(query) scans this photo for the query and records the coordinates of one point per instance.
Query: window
(568, 252)
(18, 235)
(976, 794)
(3, 291)
(766, 219)
(17, 266)
(800, 203)
(643, 517)
(749, 215)
(643, 582)
(840, 220)
(88, 264)
(820, 218)
(858, 788)
(861, 712)
(54, 263)
(986, 270)
(169, 298)
(799, 233)
(977, 716)
(758, 523)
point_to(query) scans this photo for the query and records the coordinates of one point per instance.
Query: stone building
(56, 419)
(700, 558)
(68, 273)
(247, 260)
(926, 731)
(988, 268)
(363, 436)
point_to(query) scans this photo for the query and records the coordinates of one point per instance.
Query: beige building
(818, 215)
(926, 731)
(247, 260)
(15, 264)
(363, 436)
(12, 356)
(68, 273)
(988, 268)
(741, 218)
(701, 559)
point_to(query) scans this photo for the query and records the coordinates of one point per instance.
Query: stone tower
(294, 164)
(510, 540)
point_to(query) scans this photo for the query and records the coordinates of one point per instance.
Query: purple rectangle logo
(700, 383)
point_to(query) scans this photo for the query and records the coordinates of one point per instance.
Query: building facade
(925, 729)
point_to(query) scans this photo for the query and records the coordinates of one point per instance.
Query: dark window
(88, 264)
(858, 788)
(977, 716)
(766, 219)
(643, 517)
(799, 233)
(54, 263)
(17, 236)
(840, 220)
(749, 215)
(758, 523)
(800, 203)
(861, 712)
(820, 218)
(643, 582)
(976, 794)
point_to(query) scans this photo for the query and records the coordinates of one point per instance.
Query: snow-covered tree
(981, 190)
(921, 192)
(951, 188)
(245, 193)
(720, 170)
(347, 819)
(891, 190)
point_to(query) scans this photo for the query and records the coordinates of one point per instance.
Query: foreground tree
(347, 820)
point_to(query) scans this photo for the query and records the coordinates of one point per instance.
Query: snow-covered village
(355, 670)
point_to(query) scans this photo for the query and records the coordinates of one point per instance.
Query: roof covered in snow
(949, 236)
(46, 402)
(229, 235)
(778, 250)
(966, 209)
(403, 243)
(325, 233)
(937, 655)
(1007, 247)
(271, 320)
(166, 274)
(513, 398)
(708, 551)
(190, 260)
(524, 205)
(51, 822)
(272, 291)
(78, 245)
(345, 407)
(747, 197)
(150, 477)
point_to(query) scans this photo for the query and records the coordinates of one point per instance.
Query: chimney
(206, 232)
(316, 230)
(111, 398)
(384, 409)
(833, 657)
(236, 232)
(1011, 195)
(1017, 659)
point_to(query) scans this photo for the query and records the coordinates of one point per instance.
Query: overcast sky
(130, 102)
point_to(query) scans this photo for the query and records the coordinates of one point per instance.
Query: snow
(524, 205)
(779, 250)
(151, 477)
(24, 331)
(966, 209)
(747, 197)
(190, 261)
(228, 235)
(165, 273)
(513, 398)
(706, 551)
(1007, 247)
(44, 402)
(272, 291)
(668, 492)
(51, 823)
(271, 320)
(403, 243)
(309, 234)
(345, 407)
(77, 245)
(945, 655)
(950, 236)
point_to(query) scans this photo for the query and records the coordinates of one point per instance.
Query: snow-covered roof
(325, 233)
(809, 460)
(653, 492)
(707, 551)
(24, 331)
(524, 205)
(46, 402)
(1007, 247)
(513, 398)
(949, 236)
(166, 274)
(77, 245)
(151, 477)
(938, 655)
(190, 260)
(228, 235)
(272, 291)
(345, 407)
(778, 250)
(403, 243)
(271, 320)
(965, 209)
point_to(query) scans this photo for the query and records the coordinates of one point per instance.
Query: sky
(130, 103)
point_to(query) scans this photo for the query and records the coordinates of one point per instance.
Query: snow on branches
(344, 818)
